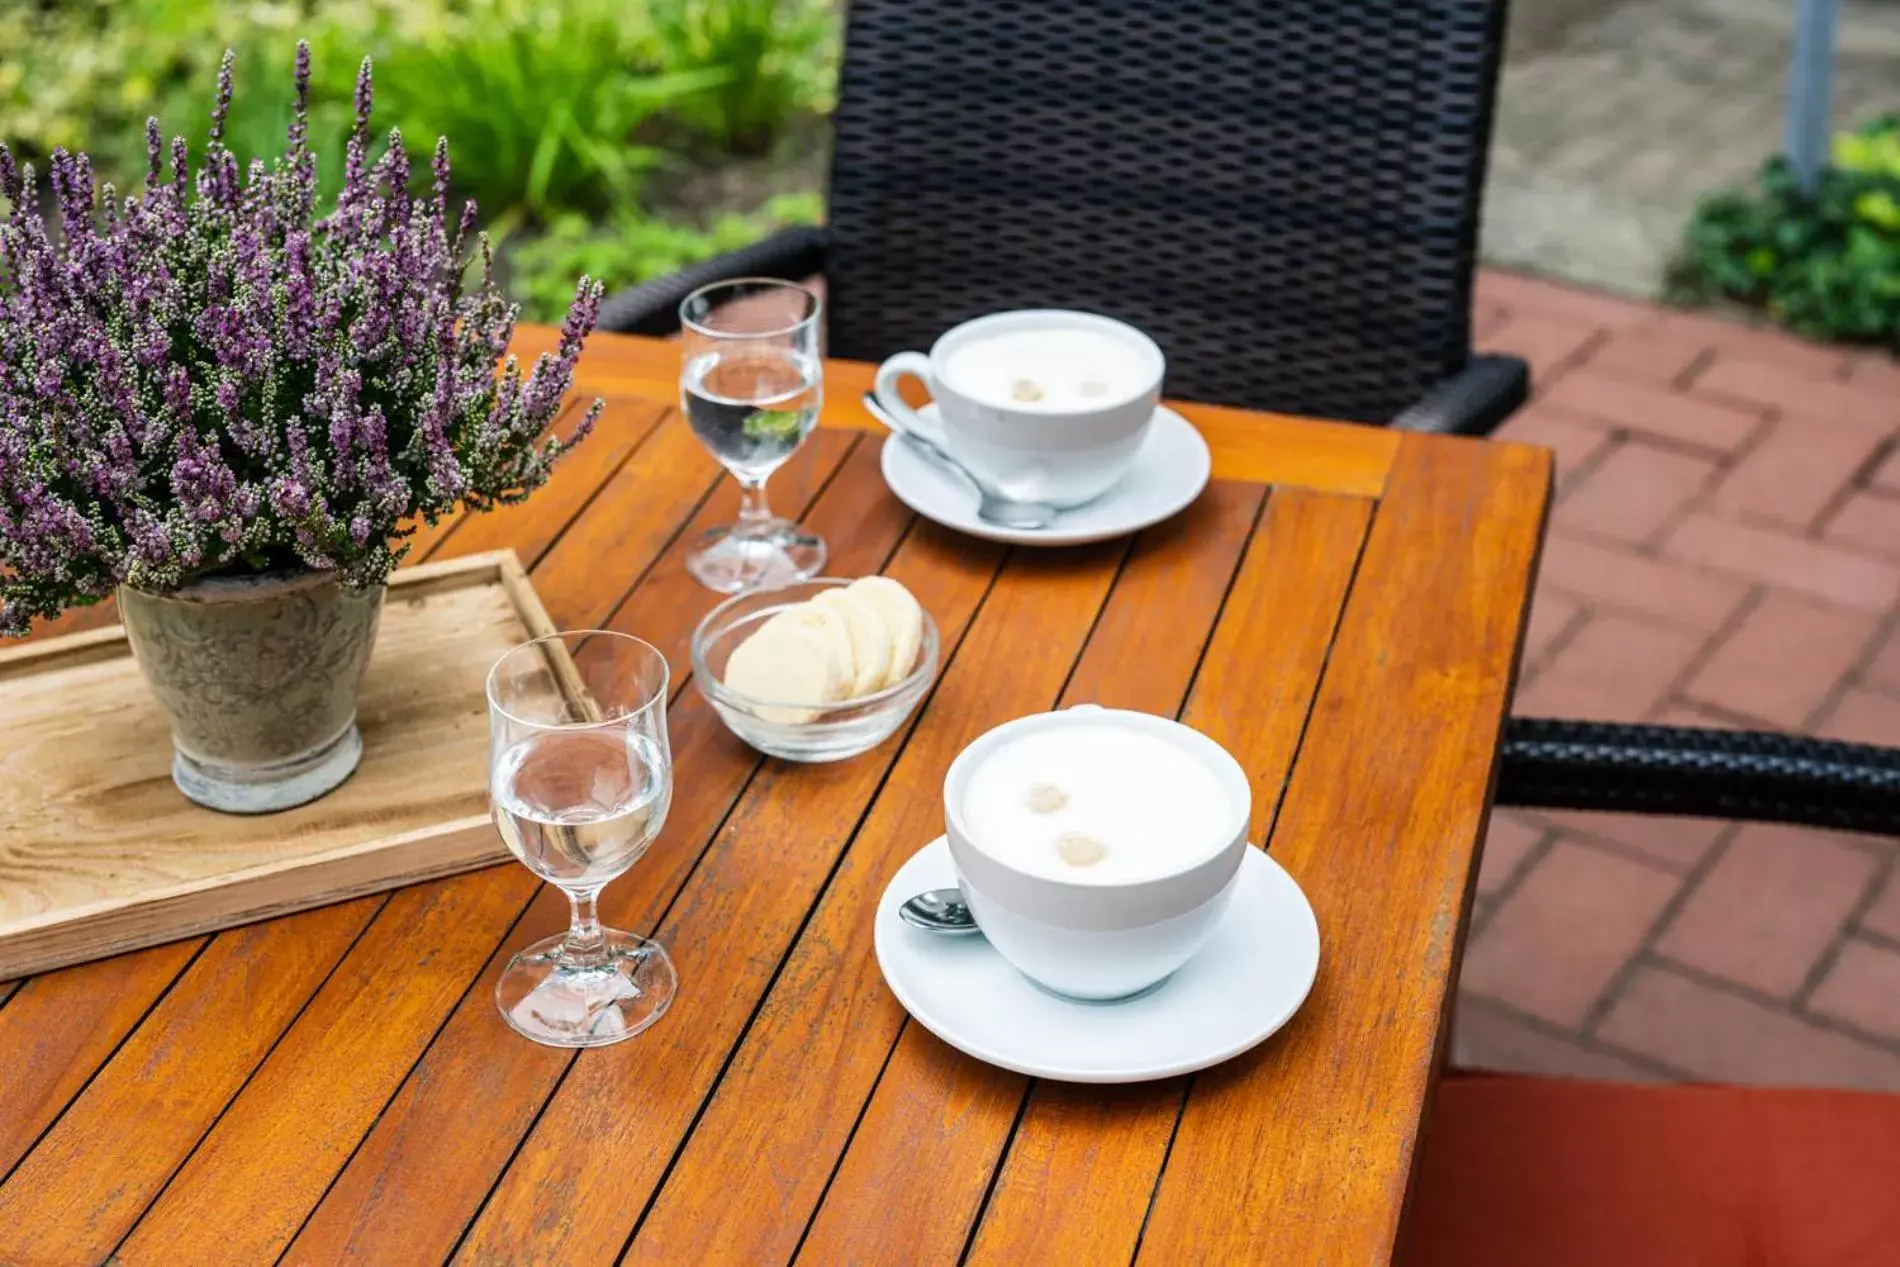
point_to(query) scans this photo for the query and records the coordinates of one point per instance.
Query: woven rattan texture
(1753, 775)
(1284, 194)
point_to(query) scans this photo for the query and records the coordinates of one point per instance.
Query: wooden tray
(100, 854)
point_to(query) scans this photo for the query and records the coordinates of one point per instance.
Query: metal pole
(1810, 89)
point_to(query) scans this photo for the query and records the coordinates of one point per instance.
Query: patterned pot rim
(239, 589)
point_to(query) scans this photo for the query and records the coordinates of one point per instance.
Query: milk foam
(1096, 802)
(1054, 369)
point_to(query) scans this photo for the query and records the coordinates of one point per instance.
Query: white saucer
(1169, 472)
(1247, 982)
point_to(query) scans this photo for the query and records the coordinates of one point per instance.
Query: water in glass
(580, 778)
(752, 406)
(751, 382)
(580, 807)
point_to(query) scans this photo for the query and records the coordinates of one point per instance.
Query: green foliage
(559, 109)
(632, 247)
(544, 101)
(1826, 265)
(85, 74)
(55, 75)
(777, 59)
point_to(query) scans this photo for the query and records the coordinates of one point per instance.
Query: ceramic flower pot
(258, 676)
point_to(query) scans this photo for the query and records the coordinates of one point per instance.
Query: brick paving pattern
(1724, 550)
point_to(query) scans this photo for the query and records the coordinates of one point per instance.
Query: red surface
(1547, 1173)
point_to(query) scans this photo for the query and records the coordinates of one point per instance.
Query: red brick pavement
(1724, 550)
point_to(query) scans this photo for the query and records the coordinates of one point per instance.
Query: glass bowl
(838, 731)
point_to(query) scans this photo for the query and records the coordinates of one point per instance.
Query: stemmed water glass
(581, 776)
(751, 383)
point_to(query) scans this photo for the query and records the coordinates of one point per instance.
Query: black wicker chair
(1284, 195)
(1755, 775)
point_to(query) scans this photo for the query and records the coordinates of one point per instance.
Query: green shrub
(559, 108)
(632, 247)
(1826, 265)
(778, 60)
(544, 100)
(85, 74)
(553, 103)
(56, 73)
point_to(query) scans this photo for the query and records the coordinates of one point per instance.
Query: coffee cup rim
(1151, 384)
(1222, 762)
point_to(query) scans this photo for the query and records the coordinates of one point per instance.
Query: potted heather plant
(231, 410)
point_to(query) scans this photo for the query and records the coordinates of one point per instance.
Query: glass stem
(586, 944)
(754, 514)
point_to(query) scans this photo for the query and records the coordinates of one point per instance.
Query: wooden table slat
(823, 1032)
(1022, 644)
(1247, 444)
(76, 620)
(57, 1029)
(528, 519)
(427, 539)
(362, 1101)
(83, 1008)
(633, 519)
(1254, 694)
(411, 1190)
(246, 1188)
(196, 1050)
(727, 932)
(277, 1202)
(831, 484)
(1310, 1139)
(933, 1133)
(928, 1141)
(530, 527)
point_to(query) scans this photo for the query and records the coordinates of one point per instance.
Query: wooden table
(1342, 609)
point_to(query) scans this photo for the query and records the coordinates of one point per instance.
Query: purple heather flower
(364, 98)
(10, 178)
(222, 108)
(154, 154)
(299, 135)
(210, 372)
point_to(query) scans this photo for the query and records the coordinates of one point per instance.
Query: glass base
(260, 789)
(561, 1006)
(776, 553)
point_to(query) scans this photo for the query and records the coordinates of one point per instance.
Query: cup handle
(916, 365)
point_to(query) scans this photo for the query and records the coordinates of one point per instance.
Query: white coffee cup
(1086, 938)
(1066, 445)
